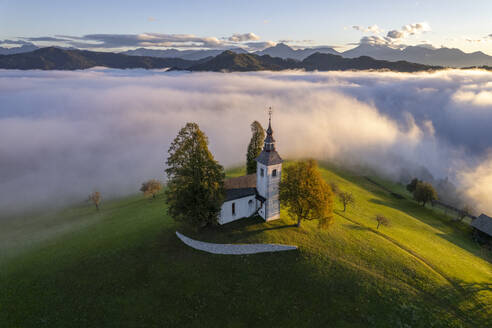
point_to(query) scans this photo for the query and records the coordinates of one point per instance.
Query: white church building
(255, 193)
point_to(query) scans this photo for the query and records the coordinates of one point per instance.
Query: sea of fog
(65, 134)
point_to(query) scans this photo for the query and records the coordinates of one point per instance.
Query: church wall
(268, 187)
(273, 202)
(243, 208)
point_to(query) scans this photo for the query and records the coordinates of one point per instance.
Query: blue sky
(304, 23)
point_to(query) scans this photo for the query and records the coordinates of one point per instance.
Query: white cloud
(486, 38)
(113, 133)
(370, 29)
(393, 38)
(116, 41)
(375, 40)
(416, 28)
(244, 37)
(260, 45)
(408, 30)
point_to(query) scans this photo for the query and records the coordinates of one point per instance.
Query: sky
(118, 24)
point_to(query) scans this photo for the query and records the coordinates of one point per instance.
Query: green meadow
(123, 266)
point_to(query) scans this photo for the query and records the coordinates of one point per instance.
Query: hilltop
(124, 267)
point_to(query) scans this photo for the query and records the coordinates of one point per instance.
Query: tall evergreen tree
(195, 179)
(254, 147)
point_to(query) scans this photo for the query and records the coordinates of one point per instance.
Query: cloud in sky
(15, 42)
(370, 29)
(114, 131)
(487, 38)
(243, 37)
(393, 38)
(260, 45)
(149, 40)
(408, 30)
(46, 39)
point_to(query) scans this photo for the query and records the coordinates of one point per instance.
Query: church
(255, 193)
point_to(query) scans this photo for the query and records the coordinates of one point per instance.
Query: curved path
(234, 249)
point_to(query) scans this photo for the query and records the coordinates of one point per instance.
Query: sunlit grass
(122, 266)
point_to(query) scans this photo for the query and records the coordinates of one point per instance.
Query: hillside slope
(230, 61)
(61, 59)
(124, 267)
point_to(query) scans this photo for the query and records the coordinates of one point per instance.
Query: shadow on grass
(356, 227)
(239, 230)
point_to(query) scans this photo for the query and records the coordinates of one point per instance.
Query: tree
(95, 198)
(465, 211)
(381, 220)
(254, 147)
(305, 193)
(151, 187)
(413, 185)
(346, 198)
(334, 188)
(424, 192)
(195, 190)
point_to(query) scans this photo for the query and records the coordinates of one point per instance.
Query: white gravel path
(234, 249)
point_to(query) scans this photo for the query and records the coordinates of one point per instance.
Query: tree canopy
(254, 147)
(195, 179)
(151, 187)
(95, 198)
(346, 198)
(424, 192)
(305, 193)
(381, 220)
(413, 185)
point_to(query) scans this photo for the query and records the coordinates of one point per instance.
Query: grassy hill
(124, 267)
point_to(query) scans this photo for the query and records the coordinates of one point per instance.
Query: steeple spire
(269, 141)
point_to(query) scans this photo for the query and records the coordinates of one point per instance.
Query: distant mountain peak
(281, 45)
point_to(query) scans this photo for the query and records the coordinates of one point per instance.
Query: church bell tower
(268, 173)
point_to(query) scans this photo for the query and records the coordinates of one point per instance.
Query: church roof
(269, 155)
(269, 158)
(240, 187)
(483, 223)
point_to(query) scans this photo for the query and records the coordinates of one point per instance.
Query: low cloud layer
(65, 134)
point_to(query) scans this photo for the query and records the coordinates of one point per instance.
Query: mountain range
(282, 50)
(175, 53)
(422, 54)
(231, 61)
(52, 58)
(18, 50)
(416, 54)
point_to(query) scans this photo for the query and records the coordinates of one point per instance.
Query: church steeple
(269, 141)
(268, 174)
